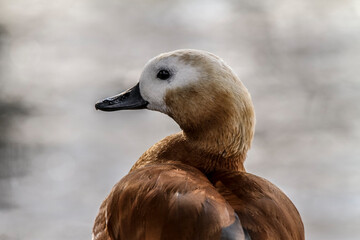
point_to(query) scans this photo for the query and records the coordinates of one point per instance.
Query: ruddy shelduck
(193, 184)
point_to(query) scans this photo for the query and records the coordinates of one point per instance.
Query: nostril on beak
(107, 101)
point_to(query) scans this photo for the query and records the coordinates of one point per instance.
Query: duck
(193, 184)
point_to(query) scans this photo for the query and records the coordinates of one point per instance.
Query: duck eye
(163, 74)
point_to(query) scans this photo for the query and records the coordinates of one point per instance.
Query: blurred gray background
(59, 158)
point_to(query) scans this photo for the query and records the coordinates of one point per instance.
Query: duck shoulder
(166, 201)
(264, 210)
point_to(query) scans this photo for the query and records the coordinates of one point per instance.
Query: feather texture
(264, 210)
(166, 201)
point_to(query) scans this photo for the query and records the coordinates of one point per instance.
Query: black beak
(130, 99)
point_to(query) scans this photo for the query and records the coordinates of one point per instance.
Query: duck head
(201, 93)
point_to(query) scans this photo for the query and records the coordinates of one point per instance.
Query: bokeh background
(59, 158)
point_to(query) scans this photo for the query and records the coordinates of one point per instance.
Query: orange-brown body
(264, 210)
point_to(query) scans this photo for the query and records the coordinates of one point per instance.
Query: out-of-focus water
(59, 158)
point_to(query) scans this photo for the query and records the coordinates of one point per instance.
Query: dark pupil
(163, 74)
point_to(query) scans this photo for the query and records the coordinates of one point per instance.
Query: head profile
(197, 89)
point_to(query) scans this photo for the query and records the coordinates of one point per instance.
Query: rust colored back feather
(164, 201)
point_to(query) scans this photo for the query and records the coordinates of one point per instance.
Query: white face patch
(154, 89)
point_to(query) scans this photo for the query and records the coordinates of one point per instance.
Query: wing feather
(264, 210)
(165, 201)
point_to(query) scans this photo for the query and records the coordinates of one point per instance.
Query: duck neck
(225, 144)
(209, 148)
(219, 151)
(220, 124)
